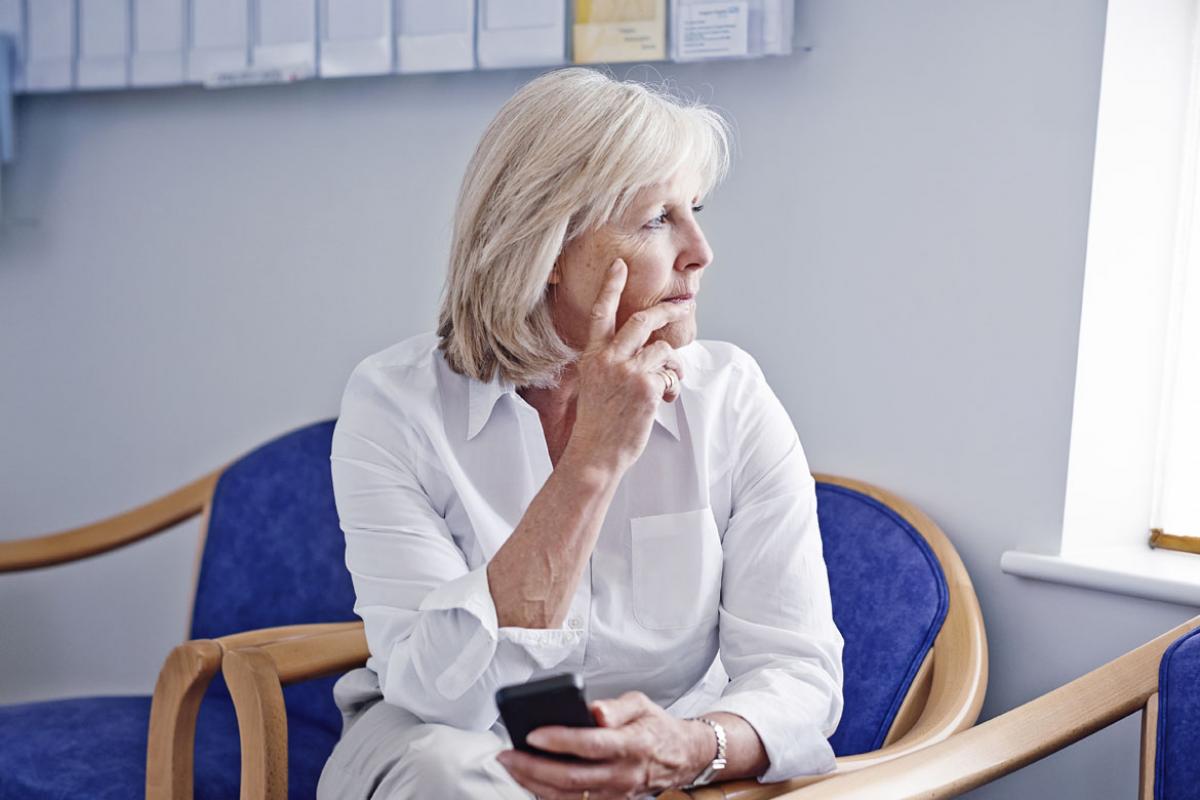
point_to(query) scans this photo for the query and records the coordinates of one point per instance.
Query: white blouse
(710, 548)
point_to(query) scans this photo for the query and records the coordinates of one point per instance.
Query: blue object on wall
(8, 64)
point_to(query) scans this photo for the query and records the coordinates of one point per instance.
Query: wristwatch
(710, 772)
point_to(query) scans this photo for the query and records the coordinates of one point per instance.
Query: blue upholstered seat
(274, 555)
(889, 601)
(1176, 765)
(95, 748)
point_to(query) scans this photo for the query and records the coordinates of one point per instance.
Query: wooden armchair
(258, 512)
(1161, 679)
(915, 659)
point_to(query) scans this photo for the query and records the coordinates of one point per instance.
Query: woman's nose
(697, 254)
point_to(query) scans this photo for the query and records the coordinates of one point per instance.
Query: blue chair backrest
(1176, 766)
(889, 601)
(275, 554)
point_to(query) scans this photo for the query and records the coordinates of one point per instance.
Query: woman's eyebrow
(665, 200)
(645, 207)
(661, 199)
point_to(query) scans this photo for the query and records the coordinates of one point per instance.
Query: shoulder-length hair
(566, 154)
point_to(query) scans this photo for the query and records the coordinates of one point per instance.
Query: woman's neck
(554, 401)
(556, 408)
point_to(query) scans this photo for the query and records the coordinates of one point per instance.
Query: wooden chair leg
(253, 682)
(184, 677)
(1149, 748)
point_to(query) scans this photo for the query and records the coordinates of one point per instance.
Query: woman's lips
(680, 298)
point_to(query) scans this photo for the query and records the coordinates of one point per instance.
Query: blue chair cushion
(889, 601)
(1176, 767)
(275, 553)
(95, 748)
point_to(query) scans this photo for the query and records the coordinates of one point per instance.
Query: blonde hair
(566, 154)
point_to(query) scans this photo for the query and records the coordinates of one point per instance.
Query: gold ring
(669, 377)
(585, 795)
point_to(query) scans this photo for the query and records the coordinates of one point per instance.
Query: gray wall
(185, 273)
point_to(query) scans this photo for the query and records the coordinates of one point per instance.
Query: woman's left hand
(638, 749)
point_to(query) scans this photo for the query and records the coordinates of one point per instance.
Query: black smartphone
(557, 700)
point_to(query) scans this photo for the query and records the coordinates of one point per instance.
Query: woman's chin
(677, 334)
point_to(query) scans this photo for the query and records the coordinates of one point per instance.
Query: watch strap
(718, 763)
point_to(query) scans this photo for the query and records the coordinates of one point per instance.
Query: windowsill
(1136, 571)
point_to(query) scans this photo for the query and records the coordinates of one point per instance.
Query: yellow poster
(620, 30)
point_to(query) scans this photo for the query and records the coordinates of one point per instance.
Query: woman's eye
(658, 221)
(661, 219)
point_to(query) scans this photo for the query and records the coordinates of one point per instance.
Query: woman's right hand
(621, 378)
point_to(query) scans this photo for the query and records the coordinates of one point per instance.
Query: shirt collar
(482, 398)
(667, 416)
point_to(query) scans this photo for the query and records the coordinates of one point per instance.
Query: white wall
(185, 273)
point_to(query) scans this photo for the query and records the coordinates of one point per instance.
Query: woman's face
(662, 246)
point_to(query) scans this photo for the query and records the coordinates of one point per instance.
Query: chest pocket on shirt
(676, 569)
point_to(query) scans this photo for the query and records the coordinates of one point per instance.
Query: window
(1135, 442)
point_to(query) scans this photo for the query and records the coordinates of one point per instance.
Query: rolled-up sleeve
(778, 641)
(430, 620)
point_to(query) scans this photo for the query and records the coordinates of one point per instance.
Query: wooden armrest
(172, 737)
(308, 651)
(749, 789)
(952, 705)
(1012, 740)
(189, 669)
(257, 665)
(111, 533)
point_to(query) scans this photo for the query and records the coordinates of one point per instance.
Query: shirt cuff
(794, 746)
(471, 593)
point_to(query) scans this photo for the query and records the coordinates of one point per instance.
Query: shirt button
(575, 623)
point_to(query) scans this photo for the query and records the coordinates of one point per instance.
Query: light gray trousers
(386, 753)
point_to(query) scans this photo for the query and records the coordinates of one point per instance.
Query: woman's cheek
(641, 303)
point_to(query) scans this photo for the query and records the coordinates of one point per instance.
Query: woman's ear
(555, 275)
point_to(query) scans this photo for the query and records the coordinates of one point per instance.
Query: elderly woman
(564, 479)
